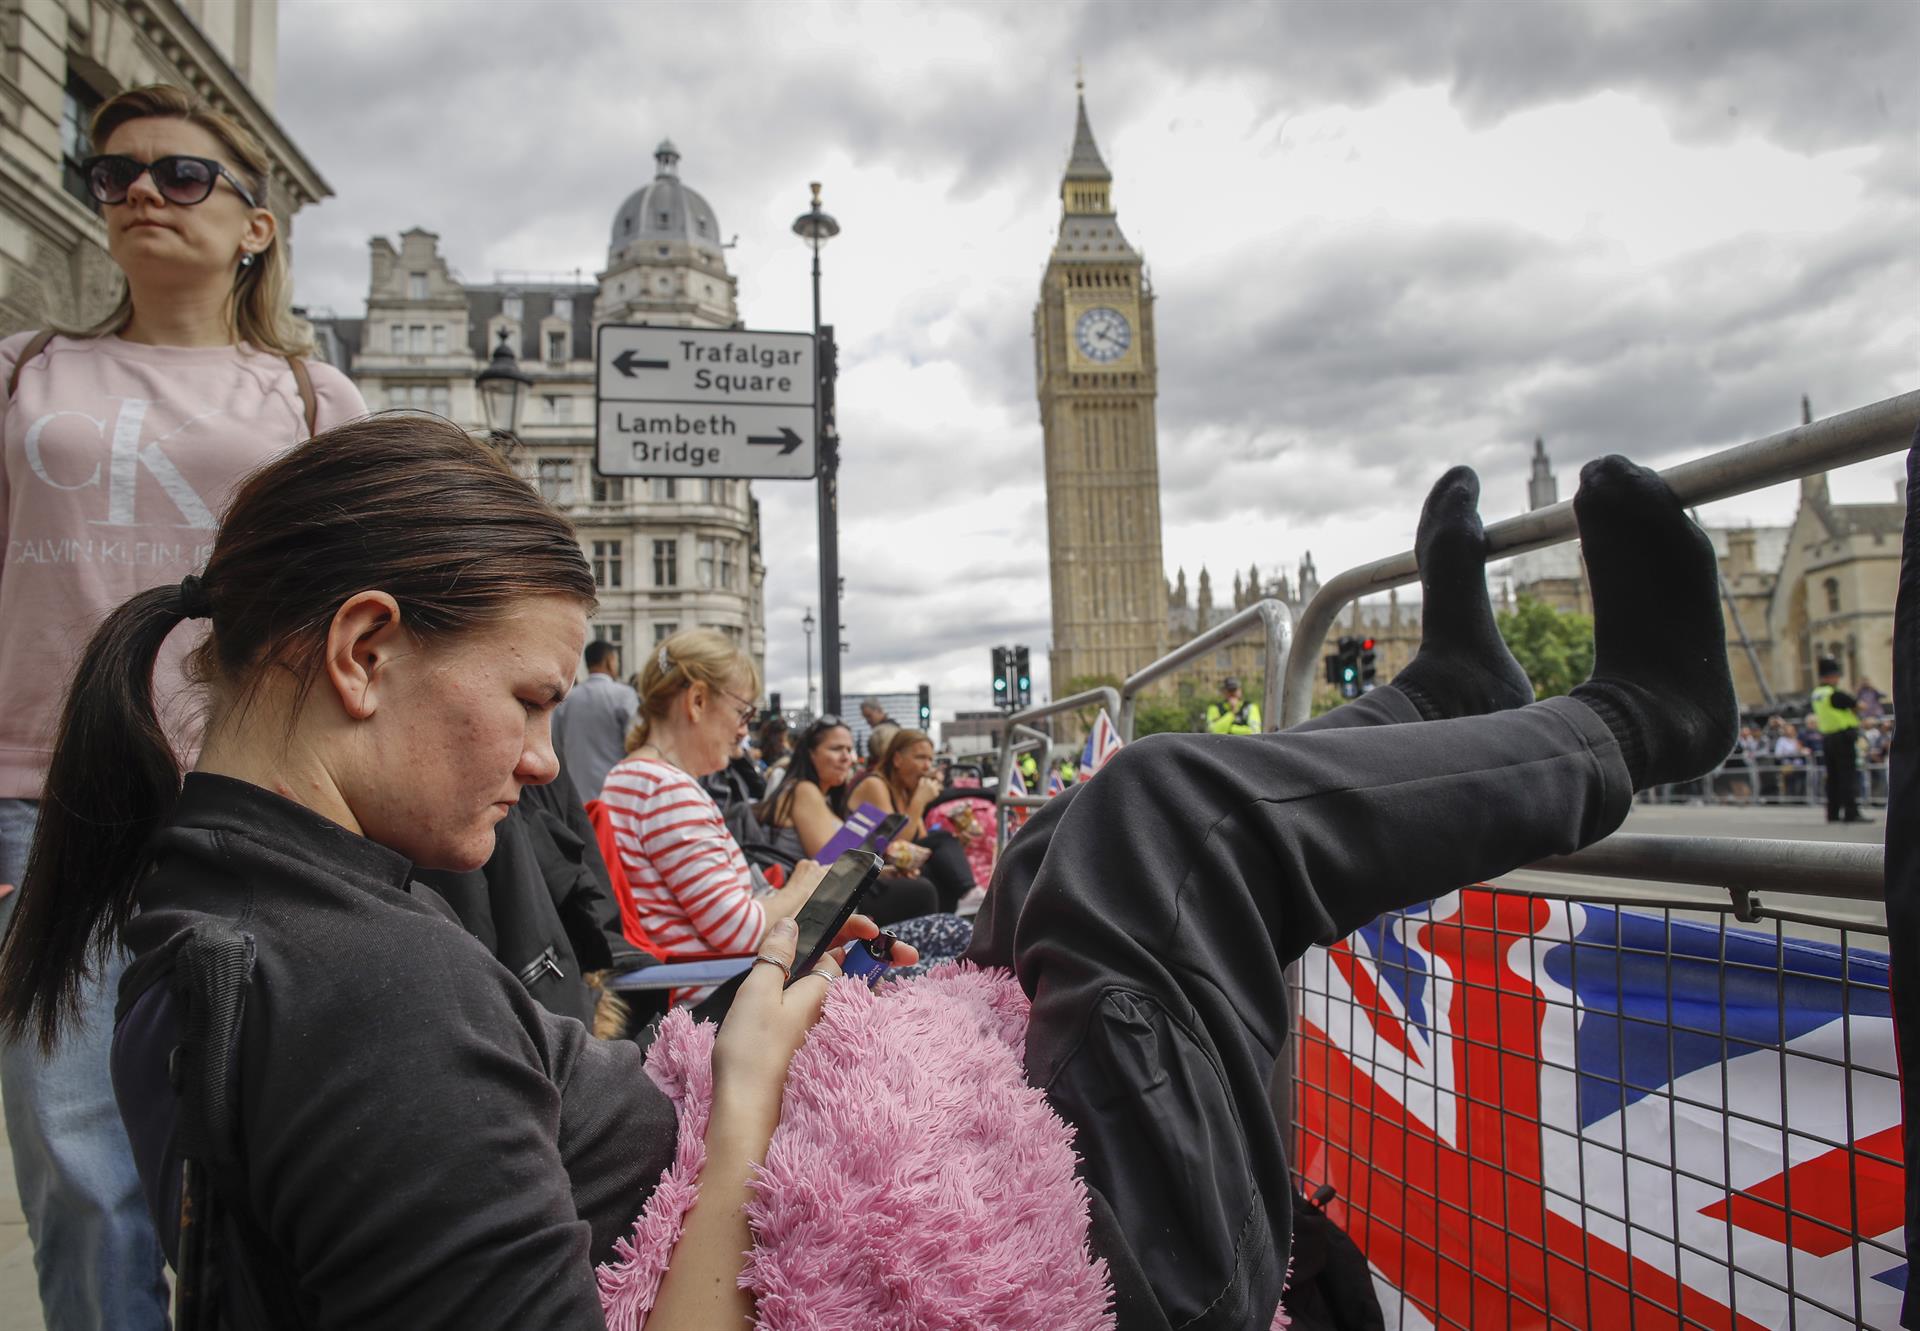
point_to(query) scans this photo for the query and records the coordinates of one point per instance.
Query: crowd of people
(307, 829)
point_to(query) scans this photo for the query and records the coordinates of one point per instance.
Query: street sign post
(705, 402)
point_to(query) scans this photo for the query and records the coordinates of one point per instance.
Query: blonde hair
(261, 313)
(703, 656)
(898, 743)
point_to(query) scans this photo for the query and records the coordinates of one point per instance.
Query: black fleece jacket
(423, 1145)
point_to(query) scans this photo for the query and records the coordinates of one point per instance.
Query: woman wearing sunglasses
(123, 440)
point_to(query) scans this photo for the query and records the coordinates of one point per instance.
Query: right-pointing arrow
(787, 440)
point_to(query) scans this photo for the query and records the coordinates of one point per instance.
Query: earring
(246, 260)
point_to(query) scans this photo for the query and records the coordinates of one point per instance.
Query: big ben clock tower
(1096, 373)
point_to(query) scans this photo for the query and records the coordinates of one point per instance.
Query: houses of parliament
(1821, 586)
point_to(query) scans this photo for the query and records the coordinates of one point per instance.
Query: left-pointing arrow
(787, 440)
(626, 362)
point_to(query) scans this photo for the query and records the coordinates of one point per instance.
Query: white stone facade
(667, 554)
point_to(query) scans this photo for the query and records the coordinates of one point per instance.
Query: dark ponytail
(112, 779)
(410, 505)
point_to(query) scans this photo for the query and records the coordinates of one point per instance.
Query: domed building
(666, 262)
(667, 553)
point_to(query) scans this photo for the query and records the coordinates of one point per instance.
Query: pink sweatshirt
(119, 461)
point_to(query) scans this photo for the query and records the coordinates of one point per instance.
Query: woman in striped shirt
(689, 880)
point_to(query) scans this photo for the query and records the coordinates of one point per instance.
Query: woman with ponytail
(122, 442)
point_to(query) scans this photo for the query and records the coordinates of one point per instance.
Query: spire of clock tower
(1087, 224)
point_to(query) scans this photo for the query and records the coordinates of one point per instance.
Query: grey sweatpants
(1150, 913)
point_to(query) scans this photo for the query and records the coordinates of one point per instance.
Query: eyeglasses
(180, 180)
(748, 710)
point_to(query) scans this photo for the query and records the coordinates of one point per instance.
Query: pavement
(20, 1303)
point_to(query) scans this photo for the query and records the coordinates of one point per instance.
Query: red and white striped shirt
(689, 881)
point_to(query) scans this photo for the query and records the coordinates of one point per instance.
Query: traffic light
(1022, 676)
(773, 704)
(1369, 668)
(1349, 667)
(1002, 690)
(926, 707)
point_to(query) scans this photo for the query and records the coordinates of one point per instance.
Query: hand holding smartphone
(833, 902)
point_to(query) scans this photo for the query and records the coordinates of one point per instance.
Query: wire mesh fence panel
(1546, 1113)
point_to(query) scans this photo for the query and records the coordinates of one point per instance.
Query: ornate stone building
(59, 60)
(1097, 380)
(1821, 586)
(667, 553)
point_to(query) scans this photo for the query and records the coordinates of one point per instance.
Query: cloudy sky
(1384, 238)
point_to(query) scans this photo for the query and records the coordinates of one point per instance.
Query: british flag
(1550, 1114)
(1103, 741)
(1055, 783)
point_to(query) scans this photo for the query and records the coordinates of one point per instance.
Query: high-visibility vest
(1242, 720)
(1832, 720)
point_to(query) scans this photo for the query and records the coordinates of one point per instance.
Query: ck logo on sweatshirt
(127, 459)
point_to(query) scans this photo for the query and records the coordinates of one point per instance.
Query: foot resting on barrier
(1463, 668)
(1660, 676)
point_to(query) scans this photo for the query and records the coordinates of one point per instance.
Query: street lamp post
(503, 390)
(817, 227)
(806, 627)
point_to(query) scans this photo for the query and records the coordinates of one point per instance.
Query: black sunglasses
(181, 180)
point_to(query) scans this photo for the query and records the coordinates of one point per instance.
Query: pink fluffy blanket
(915, 1179)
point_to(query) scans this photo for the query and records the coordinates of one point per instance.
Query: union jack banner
(1541, 1113)
(1016, 784)
(1103, 741)
(1054, 784)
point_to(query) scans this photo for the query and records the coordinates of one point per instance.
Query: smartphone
(882, 836)
(832, 902)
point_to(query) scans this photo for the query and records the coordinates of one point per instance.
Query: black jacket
(420, 1143)
(543, 904)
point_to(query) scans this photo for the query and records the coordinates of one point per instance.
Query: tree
(1554, 647)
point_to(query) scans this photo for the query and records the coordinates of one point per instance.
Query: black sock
(1463, 668)
(1660, 677)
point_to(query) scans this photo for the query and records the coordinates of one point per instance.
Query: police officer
(1233, 715)
(1839, 730)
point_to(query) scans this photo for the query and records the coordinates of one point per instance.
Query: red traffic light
(1366, 644)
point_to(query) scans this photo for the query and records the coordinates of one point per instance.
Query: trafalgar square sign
(705, 402)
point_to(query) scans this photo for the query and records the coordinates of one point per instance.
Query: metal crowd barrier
(1021, 737)
(1515, 1143)
(1271, 618)
(1761, 779)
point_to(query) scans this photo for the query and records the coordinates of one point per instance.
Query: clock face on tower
(1103, 334)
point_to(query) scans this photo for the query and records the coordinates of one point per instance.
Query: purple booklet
(866, 828)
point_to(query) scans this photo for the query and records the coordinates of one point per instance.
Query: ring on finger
(825, 973)
(786, 971)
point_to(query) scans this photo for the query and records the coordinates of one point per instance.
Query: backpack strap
(304, 382)
(35, 345)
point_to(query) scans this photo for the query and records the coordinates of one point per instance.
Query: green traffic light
(999, 686)
(1347, 673)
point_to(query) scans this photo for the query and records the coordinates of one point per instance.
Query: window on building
(442, 400)
(609, 489)
(563, 308)
(665, 217)
(666, 283)
(1832, 586)
(416, 286)
(417, 338)
(439, 339)
(559, 407)
(555, 479)
(615, 634)
(664, 629)
(607, 563)
(664, 488)
(77, 105)
(709, 556)
(419, 397)
(666, 563)
(514, 308)
(729, 561)
(556, 345)
(399, 337)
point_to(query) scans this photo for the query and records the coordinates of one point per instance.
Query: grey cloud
(1810, 75)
